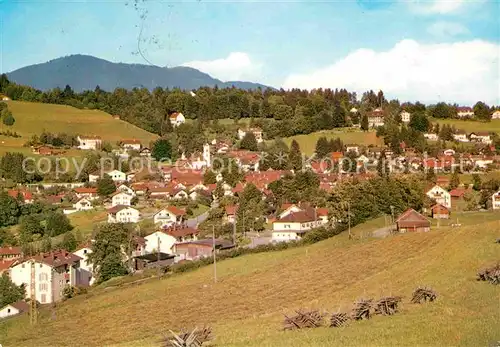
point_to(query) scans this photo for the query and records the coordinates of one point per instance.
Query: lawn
(471, 126)
(307, 142)
(33, 118)
(246, 305)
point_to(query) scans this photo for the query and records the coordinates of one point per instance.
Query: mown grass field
(33, 118)
(307, 142)
(471, 126)
(245, 307)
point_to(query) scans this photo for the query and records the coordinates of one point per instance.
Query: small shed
(411, 220)
(153, 260)
(439, 211)
(14, 309)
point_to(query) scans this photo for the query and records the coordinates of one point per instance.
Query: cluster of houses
(460, 135)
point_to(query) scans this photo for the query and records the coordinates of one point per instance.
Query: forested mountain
(83, 72)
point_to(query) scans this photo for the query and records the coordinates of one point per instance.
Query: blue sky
(302, 44)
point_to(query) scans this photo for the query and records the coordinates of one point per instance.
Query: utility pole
(158, 255)
(234, 231)
(349, 218)
(33, 309)
(213, 251)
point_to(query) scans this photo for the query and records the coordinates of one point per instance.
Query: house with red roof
(439, 211)
(53, 272)
(411, 220)
(293, 226)
(26, 196)
(176, 119)
(86, 192)
(164, 240)
(10, 253)
(132, 144)
(168, 216)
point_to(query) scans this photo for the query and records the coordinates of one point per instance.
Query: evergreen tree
(105, 186)
(419, 122)
(162, 150)
(295, 157)
(383, 165)
(338, 116)
(322, 147)
(476, 182)
(364, 122)
(249, 142)
(455, 180)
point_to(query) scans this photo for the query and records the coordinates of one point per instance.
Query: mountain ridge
(85, 72)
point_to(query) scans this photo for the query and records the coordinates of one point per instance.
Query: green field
(33, 118)
(471, 126)
(246, 305)
(307, 142)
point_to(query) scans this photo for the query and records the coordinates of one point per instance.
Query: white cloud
(237, 66)
(444, 29)
(462, 72)
(439, 6)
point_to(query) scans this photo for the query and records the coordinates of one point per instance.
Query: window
(22, 266)
(41, 265)
(84, 251)
(43, 298)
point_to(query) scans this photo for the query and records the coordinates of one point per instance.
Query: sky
(430, 51)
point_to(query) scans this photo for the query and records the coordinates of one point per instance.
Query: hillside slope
(33, 118)
(245, 307)
(84, 72)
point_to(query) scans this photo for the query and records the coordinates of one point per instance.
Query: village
(163, 195)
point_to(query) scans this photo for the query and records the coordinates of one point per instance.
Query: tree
(482, 111)
(364, 123)
(476, 182)
(7, 117)
(7, 238)
(57, 223)
(69, 242)
(9, 210)
(455, 180)
(29, 226)
(9, 292)
(105, 186)
(209, 177)
(106, 147)
(109, 251)
(419, 122)
(382, 165)
(46, 244)
(295, 156)
(472, 200)
(249, 142)
(322, 147)
(162, 150)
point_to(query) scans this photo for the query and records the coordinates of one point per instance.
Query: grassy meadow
(471, 126)
(307, 142)
(246, 305)
(33, 118)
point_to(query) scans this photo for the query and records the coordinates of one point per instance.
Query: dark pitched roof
(22, 306)
(411, 218)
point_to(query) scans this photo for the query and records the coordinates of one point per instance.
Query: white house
(353, 110)
(176, 119)
(293, 226)
(495, 115)
(116, 176)
(86, 273)
(431, 136)
(481, 136)
(164, 240)
(123, 214)
(257, 132)
(461, 136)
(465, 112)
(495, 201)
(89, 142)
(125, 189)
(14, 309)
(168, 216)
(376, 118)
(83, 204)
(132, 144)
(121, 198)
(352, 148)
(84, 192)
(53, 272)
(440, 195)
(405, 117)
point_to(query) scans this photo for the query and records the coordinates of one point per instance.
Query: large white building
(440, 195)
(86, 267)
(257, 132)
(405, 117)
(123, 214)
(165, 240)
(116, 175)
(121, 198)
(294, 225)
(168, 216)
(89, 142)
(53, 272)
